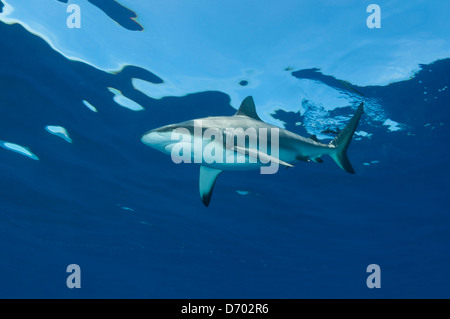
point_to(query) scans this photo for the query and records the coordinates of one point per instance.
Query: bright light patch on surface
(293, 34)
(122, 100)
(157, 91)
(89, 106)
(392, 125)
(363, 134)
(18, 149)
(59, 131)
(242, 192)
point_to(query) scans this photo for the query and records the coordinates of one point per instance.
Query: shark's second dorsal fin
(207, 180)
(247, 108)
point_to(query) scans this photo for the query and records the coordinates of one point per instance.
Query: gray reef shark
(241, 142)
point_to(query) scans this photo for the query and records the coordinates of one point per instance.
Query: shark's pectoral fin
(264, 157)
(207, 180)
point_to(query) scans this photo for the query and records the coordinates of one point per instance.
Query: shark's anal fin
(207, 180)
(302, 158)
(262, 156)
(248, 108)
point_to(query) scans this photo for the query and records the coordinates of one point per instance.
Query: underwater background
(77, 186)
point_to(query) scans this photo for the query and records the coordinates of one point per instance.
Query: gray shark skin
(277, 147)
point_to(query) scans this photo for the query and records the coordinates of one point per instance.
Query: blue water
(133, 220)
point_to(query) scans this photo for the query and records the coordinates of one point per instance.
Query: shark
(235, 142)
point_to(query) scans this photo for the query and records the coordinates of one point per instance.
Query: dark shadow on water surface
(117, 12)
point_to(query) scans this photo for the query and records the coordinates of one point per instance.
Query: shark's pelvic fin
(262, 156)
(207, 180)
(342, 141)
(248, 108)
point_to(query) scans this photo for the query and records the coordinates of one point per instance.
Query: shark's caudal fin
(342, 141)
(207, 180)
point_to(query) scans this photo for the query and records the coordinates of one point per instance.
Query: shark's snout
(159, 137)
(153, 137)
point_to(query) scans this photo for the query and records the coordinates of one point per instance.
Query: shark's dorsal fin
(247, 108)
(314, 138)
(207, 180)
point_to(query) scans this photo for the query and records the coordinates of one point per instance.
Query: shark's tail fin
(342, 141)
